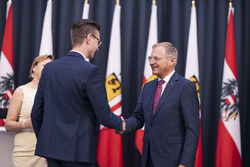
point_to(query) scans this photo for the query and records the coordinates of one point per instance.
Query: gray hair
(171, 51)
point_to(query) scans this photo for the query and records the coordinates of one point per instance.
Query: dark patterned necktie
(157, 94)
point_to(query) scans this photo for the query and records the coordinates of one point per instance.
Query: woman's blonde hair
(38, 60)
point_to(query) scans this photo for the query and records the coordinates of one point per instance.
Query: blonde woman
(18, 118)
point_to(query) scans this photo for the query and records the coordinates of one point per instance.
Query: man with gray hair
(169, 108)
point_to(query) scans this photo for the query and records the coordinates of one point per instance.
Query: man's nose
(151, 62)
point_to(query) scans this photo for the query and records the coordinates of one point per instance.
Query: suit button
(151, 124)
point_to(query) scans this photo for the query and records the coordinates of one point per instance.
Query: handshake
(120, 132)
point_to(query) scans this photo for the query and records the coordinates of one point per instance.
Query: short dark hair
(81, 28)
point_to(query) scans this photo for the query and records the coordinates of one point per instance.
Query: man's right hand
(120, 132)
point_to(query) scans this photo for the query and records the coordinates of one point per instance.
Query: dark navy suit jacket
(172, 133)
(70, 101)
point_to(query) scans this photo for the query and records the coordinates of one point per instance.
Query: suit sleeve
(96, 93)
(190, 110)
(136, 120)
(38, 106)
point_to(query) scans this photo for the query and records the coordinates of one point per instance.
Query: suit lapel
(167, 91)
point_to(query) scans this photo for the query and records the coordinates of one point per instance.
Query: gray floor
(6, 148)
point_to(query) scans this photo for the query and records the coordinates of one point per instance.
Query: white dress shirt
(79, 53)
(166, 79)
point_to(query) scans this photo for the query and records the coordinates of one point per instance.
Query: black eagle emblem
(229, 100)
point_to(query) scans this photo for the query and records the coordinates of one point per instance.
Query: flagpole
(153, 2)
(230, 3)
(193, 3)
(86, 2)
(117, 2)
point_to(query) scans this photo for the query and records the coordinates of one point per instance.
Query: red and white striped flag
(152, 39)
(192, 70)
(109, 153)
(6, 63)
(228, 150)
(46, 46)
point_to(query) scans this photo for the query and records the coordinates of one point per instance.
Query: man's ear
(172, 60)
(88, 38)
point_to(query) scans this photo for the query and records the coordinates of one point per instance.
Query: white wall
(6, 148)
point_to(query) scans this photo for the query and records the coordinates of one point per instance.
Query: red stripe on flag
(109, 146)
(2, 122)
(227, 154)
(233, 97)
(8, 94)
(115, 107)
(7, 48)
(144, 80)
(230, 53)
(198, 159)
(228, 101)
(139, 140)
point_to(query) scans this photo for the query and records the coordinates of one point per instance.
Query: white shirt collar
(79, 53)
(167, 78)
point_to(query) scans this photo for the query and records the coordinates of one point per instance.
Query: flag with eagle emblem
(6, 63)
(228, 149)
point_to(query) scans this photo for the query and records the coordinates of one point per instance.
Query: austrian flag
(6, 63)
(228, 150)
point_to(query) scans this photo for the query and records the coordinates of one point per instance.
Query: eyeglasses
(157, 58)
(99, 41)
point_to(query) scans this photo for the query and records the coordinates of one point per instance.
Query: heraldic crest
(6, 90)
(229, 100)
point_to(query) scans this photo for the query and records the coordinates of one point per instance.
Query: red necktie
(157, 94)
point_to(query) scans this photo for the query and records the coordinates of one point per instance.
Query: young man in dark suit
(70, 103)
